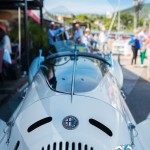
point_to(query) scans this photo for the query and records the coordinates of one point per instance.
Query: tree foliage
(38, 38)
(126, 21)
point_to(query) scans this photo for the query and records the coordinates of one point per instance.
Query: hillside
(145, 12)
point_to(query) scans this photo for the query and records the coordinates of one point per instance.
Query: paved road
(137, 88)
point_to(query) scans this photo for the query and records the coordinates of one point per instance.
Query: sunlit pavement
(136, 87)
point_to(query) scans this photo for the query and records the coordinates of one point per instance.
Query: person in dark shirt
(135, 44)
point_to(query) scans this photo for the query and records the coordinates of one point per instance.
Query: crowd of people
(87, 39)
(140, 41)
(80, 37)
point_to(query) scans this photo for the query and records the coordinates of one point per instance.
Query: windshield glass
(96, 25)
(97, 12)
(70, 45)
(87, 72)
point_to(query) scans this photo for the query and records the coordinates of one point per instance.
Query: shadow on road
(137, 90)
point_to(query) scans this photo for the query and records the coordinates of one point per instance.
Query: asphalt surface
(136, 87)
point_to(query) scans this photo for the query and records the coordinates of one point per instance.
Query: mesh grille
(67, 146)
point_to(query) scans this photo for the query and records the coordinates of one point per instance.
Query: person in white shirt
(53, 36)
(5, 41)
(88, 39)
(5, 44)
(53, 33)
(102, 37)
(78, 34)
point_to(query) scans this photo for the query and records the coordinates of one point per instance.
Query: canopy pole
(41, 16)
(118, 16)
(19, 33)
(41, 22)
(26, 34)
(114, 18)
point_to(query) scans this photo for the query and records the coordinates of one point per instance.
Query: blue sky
(86, 6)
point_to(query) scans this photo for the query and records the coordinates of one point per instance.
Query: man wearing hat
(52, 35)
(88, 39)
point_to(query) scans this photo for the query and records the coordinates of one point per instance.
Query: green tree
(38, 38)
(82, 17)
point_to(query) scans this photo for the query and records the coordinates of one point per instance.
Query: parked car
(74, 102)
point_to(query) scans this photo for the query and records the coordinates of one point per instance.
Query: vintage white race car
(74, 102)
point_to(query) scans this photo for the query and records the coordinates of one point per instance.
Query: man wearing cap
(53, 33)
(88, 39)
(88, 36)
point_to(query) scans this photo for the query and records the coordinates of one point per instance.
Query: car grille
(67, 146)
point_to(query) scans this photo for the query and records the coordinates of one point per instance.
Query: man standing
(52, 35)
(88, 39)
(52, 32)
(78, 34)
(135, 45)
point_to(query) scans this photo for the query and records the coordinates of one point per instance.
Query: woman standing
(135, 43)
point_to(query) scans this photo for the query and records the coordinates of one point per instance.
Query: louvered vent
(67, 146)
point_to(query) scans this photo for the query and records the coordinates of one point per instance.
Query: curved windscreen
(86, 73)
(70, 45)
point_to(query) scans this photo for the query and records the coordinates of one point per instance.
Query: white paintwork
(144, 132)
(117, 71)
(148, 117)
(80, 108)
(2, 127)
(35, 67)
